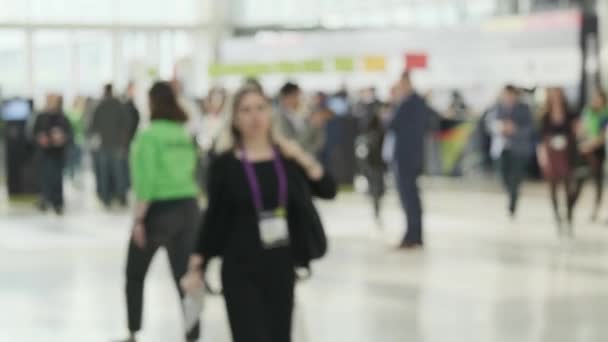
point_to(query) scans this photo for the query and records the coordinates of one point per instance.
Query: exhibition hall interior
(325, 170)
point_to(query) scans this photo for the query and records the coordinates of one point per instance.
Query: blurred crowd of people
(350, 135)
(287, 149)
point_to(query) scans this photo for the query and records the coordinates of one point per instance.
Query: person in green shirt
(75, 116)
(163, 163)
(591, 135)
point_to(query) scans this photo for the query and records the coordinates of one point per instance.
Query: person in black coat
(133, 120)
(53, 132)
(408, 128)
(369, 148)
(257, 220)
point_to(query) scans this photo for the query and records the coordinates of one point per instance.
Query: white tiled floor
(481, 277)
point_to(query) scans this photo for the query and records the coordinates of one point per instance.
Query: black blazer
(229, 228)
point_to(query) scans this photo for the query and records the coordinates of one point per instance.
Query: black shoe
(58, 210)
(410, 246)
(42, 206)
(123, 203)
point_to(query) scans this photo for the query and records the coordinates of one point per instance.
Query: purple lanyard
(254, 185)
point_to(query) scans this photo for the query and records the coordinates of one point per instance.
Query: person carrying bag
(261, 221)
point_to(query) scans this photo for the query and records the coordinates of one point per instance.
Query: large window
(52, 62)
(13, 11)
(93, 60)
(159, 12)
(70, 11)
(360, 13)
(13, 79)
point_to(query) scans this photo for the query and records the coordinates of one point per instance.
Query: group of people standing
(111, 130)
(571, 148)
(106, 129)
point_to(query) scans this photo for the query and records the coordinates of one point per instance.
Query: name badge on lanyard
(272, 224)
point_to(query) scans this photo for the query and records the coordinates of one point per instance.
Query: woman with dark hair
(163, 159)
(557, 155)
(591, 134)
(258, 220)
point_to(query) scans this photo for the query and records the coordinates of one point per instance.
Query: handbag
(309, 233)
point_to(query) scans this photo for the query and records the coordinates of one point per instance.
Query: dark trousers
(375, 180)
(259, 302)
(112, 176)
(409, 194)
(170, 224)
(569, 189)
(513, 172)
(595, 162)
(51, 181)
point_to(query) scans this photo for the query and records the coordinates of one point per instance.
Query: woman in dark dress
(557, 154)
(259, 191)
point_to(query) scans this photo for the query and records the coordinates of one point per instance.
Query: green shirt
(163, 163)
(594, 122)
(75, 118)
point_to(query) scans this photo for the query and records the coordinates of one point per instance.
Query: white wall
(529, 51)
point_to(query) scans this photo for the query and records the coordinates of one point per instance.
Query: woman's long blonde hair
(229, 138)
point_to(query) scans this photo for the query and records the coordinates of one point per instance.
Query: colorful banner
(256, 69)
(452, 143)
(416, 61)
(374, 63)
(344, 64)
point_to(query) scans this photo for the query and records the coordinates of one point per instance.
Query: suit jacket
(409, 125)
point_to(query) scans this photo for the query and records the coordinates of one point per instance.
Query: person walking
(369, 148)
(163, 163)
(512, 128)
(591, 133)
(408, 129)
(109, 131)
(53, 134)
(74, 153)
(292, 125)
(134, 120)
(557, 156)
(259, 220)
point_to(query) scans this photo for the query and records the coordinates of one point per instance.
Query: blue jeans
(112, 176)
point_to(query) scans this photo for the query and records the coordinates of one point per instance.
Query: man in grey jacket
(512, 128)
(307, 131)
(109, 131)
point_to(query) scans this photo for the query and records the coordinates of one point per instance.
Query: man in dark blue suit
(408, 127)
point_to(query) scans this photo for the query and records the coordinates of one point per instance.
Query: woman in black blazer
(260, 196)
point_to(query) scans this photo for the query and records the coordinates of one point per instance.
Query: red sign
(416, 61)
